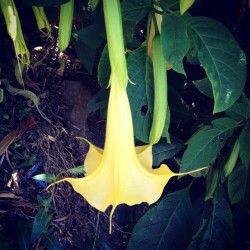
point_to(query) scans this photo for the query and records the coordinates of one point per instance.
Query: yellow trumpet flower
(120, 173)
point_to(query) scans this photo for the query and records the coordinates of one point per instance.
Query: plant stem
(113, 23)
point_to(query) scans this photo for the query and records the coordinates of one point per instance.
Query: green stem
(157, 32)
(113, 23)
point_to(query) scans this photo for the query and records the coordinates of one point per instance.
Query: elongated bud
(160, 92)
(65, 24)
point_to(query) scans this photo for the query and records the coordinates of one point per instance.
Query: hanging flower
(120, 173)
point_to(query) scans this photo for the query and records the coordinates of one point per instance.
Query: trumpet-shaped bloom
(121, 173)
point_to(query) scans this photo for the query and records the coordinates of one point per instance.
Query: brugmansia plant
(122, 173)
(218, 138)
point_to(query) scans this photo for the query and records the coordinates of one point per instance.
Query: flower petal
(144, 154)
(93, 158)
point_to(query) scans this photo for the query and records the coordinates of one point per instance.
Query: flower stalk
(113, 24)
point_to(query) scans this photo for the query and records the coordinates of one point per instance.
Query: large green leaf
(245, 147)
(134, 10)
(222, 59)
(40, 222)
(163, 151)
(217, 231)
(237, 183)
(204, 145)
(175, 41)
(165, 226)
(137, 94)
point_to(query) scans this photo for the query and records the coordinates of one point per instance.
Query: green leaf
(175, 41)
(165, 226)
(236, 184)
(205, 87)
(245, 147)
(238, 111)
(1, 95)
(163, 151)
(185, 5)
(217, 232)
(134, 10)
(222, 59)
(76, 170)
(137, 94)
(206, 143)
(39, 224)
(48, 178)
